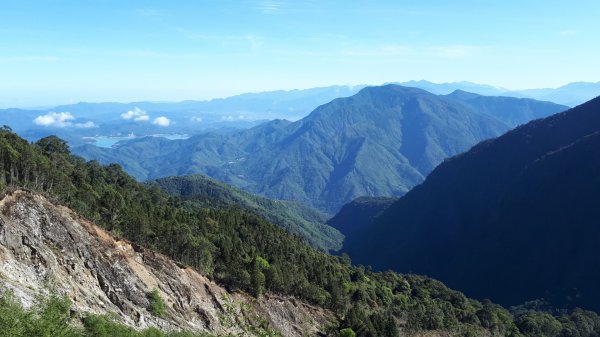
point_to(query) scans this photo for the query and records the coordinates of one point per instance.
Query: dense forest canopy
(295, 217)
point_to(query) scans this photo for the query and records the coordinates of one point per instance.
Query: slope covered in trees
(380, 142)
(295, 217)
(244, 251)
(517, 214)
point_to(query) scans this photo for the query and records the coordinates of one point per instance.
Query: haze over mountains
(571, 94)
(75, 122)
(513, 219)
(94, 122)
(379, 142)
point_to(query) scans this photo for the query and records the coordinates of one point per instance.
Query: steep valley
(519, 213)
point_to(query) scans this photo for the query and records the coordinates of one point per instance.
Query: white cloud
(136, 114)
(197, 119)
(61, 120)
(162, 121)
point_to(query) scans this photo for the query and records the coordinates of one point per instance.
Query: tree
(258, 277)
(53, 144)
(347, 332)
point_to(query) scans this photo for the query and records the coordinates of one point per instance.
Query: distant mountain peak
(381, 141)
(463, 95)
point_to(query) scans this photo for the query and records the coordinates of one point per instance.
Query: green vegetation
(244, 251)
(157, 304)
(295, 217)
(51, 317)
(347, 332)
(102, 326)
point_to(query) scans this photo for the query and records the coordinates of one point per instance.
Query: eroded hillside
(43, 245)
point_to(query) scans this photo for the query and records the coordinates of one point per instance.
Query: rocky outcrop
(45, 246)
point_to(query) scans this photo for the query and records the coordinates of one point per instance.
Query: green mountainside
(380, 142)
(511, 111)
(295, 217)
(243, 251)
(518, 214)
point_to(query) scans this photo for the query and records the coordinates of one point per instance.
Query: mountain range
(215, 252)
(571, 94)
(80, 123)
(513, 219)
(88, 122)
(380, 142)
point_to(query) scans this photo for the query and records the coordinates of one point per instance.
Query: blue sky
(58, 51)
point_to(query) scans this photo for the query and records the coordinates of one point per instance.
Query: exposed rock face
(43, 245)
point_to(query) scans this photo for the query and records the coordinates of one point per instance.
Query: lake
(110, 141)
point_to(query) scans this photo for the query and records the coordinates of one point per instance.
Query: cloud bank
(61, 120)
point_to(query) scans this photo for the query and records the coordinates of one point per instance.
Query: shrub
(347, 332)
(157, 305)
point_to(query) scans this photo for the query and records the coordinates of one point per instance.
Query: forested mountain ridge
(512, 111)
(379, 142)
(244, 252)
(517, 213)
(295, 217)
